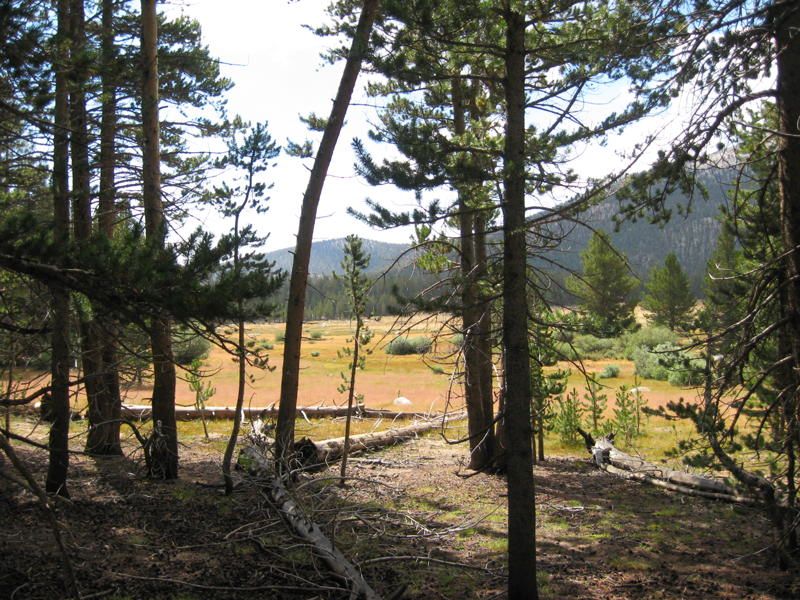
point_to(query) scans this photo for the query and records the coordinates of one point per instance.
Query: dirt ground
(411, 517)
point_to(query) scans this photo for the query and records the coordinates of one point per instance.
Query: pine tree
(249, 275)
(354, 263)
(669, 296)
(606, 287)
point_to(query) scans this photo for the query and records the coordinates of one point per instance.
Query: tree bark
(241, 352)
(350, 395)
(521, 502)
(290, 373)
(104, 413)
(164, 454)
(58, 465)
(320, 454)
(484, 336)
(186, 413)
(787, 24)
(479, 446)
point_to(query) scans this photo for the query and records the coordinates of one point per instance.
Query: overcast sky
(278, 74)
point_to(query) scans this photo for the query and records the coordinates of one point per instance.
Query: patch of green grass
(630, 563)
(669, 511)
(499, 545)
(467, 533)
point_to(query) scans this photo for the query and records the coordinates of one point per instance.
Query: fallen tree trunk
(313, 454)
(187, 413)
(259, 465)
(310, 532)
(608, 458)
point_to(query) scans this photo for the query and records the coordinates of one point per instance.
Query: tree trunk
(521, 502)
(483, 337)
(58, 465)
(164, 453)
(312, 454)
(104, 412)
(187, 413)
(787, 24)
(350, 396)
(479, 450)
(241, 351)
(290, 373)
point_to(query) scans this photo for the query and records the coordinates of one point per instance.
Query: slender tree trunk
(58, 466)
(164, 450)
(241, 352)
(483, 335)
(290, 374)
(91, 355)
(484, 329)
(104, 412)
(521, 502)
(787, 24)
(470, 310)
(350, 396)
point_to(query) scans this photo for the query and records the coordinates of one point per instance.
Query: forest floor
(411, 516)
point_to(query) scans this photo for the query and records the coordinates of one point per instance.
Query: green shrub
(265, 345)
(687, 372)
(667, 362)
(315, 354)
(609, 372)
(188, 348)
(594, 348)
(653, 364)
(647, 338)
(594, 406)
(457, 340)
(280, 338)
(625, 417)
(568, 417)
(403, 346)
(564, 351)
(315, 335)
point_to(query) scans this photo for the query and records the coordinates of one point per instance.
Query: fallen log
(261, 466)
(188, 413)
(313, 454)
(607, 457)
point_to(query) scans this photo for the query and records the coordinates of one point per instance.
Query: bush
(280, 338)
(315, 335)
(647, 338)
(188, 348)
(404, 346)
(265, 345)
(667, 362)
(315, 354)
(568, 417)
(594, 348)
(609, 372)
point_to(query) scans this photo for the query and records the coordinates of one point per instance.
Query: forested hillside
(691, 234)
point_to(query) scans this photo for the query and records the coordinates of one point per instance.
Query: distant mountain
(692, 237)
(326, 256)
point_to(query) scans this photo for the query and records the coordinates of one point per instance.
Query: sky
(279, 76)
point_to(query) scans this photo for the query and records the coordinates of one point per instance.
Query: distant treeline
(326, 297)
